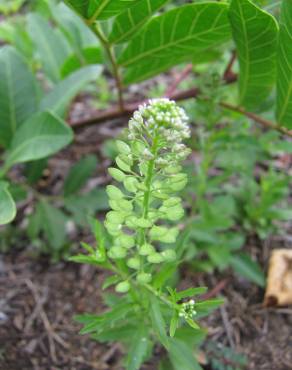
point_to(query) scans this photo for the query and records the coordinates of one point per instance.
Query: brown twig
(216, 290)
(182, 76)
(228, 71)
(52, 336)
(266, 123)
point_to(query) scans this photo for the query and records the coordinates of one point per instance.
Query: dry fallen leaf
(279, 285)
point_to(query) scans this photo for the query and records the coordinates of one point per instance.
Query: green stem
(115, 68)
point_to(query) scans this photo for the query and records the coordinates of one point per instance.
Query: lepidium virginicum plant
(138, 244)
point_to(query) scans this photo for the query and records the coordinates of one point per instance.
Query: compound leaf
(284, 63)
(127, 23)
(175, 37)
(255, 34)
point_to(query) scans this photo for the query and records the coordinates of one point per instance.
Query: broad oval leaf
(40, 136)
(51, 47)
(284, 63)
(175, 37)
(7, 205)
(99, 9)
(59, 98)
(255, 34)
(18, 93)
(127, 23)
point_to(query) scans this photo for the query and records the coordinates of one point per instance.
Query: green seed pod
(114, 193)
(144, 278)
(113, 229)
(157, 232)
(131, 184)
(169, 255)
(170, 236)
(155, 258)
(116, 174)
(117, 252)
(126, 241)
(115, 217)
(121, 205)
(138, 147)
(123, 287)
(171, 170)
(146, 249)
(177, 182)
(122, 164)
(123, 148)
(134, 263)
(171, 202)
(174, 213)
(142, 222)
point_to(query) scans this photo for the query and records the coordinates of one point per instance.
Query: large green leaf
(174, 37)
(59, 98)
(127, 23)
(7, 205)
(85, 56)
(51, 46)
(40, 136)
(18, 93)
(255, 34)
(99, 9)
(284, 63)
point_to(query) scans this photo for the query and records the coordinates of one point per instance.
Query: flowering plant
(139, 243)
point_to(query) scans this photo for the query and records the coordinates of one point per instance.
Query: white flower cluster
(187, 310)
(162, 118)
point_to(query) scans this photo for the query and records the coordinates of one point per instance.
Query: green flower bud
(155, 258)
(117, 252)
(134, 263)
(116, 174)
(144, 278)
(123, 287)
(146, 249)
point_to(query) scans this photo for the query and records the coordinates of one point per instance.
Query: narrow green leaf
(99, 9)
(79, 174)
(130, 21)
(174, 37)
(60, 97)
(245, 266)
(255, 34)
(40, 136)
(284, 64)
(138, 349)
(7, 205)
(190, 292)
(18, 93)
(51, 47)
(158, 322)
(181, 356)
